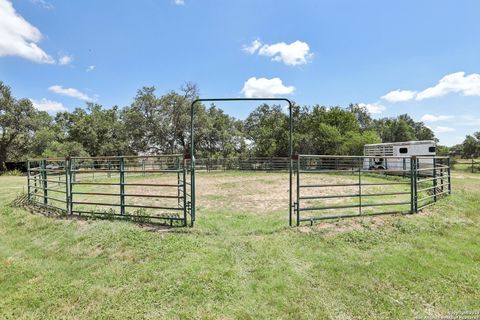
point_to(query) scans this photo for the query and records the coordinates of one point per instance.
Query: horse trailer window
(431, 149)
(403, 150)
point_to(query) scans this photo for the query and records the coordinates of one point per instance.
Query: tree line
(155, 124)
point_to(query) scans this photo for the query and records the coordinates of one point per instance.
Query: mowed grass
(238, 263)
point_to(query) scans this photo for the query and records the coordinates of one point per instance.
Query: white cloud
(180, 2)
(65, 59)
(253, 47)
(455, 82)
(90, 68)
(48, 105)
(18, 37)
(265, 88)
(458, 82)
(434, 118)
(373, 108)
(295, 53)
(441, 129)
(399, 95)
(42, 3)
(70, 92)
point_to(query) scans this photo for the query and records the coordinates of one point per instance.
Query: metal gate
(139, 188)
(330, 187)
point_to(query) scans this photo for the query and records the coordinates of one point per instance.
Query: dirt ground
(260, 192)
(240, 192)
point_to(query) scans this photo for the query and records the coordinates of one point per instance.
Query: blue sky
(416, 57)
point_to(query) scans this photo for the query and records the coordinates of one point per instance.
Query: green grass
(237, 264)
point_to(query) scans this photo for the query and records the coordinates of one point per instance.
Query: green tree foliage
(154, 124)
(19, 122)
(267, 131)
(402, 128)
(99, 131)
(162, 124)
(471, 146)
(224, 136)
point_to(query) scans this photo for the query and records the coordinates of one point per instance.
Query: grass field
(241, 261)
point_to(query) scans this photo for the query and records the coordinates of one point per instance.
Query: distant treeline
(154, 124)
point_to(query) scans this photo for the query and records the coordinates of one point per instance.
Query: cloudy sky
(416, 57)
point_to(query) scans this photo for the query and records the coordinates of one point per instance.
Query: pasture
(242, 261)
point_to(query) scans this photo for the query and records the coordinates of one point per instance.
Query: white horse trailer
(391, 156)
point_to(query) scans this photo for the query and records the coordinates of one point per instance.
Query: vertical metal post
(109, 168)
(143, 166)
(449, 181)
(36, 183)
(298, 191)
(415, 193)
(435, 179)
(67, 194)
(44, 181)
(290, 141)
(184, 196)
(122, 185)
(442, 173)
(412, 185)
(360, 190)
(71, 173)
(192, 164)
(28, 181)
(179, 182)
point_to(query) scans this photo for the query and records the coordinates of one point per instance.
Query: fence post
(44, 181)
(184, 194)
(67, 195)
(449, 177)
(360, 188)
(298, 191)
(413, 187)
(122, 186)
(473, 162)
(435, 179)
(71, 178)
(28, 180)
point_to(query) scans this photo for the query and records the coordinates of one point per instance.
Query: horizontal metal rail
(156, 216)
(353, 206)
(130, 157)
(350, 215)
(129, 195)
(49, 198)
(353, 195)
(353, 184)
(433, 187)
(125, 205)
(126, 171)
